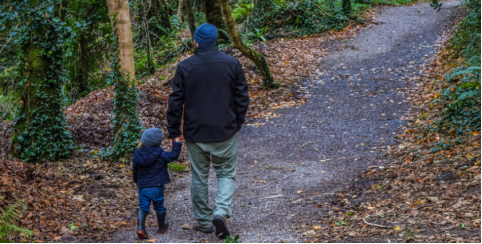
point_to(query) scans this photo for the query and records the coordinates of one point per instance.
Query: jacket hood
(146, 156)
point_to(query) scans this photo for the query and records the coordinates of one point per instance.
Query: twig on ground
(311, 142)
(267, 184)
(295, 201)
(376, 225)
(280, 195)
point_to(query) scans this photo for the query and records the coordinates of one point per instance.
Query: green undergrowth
(393, 2)
(460, 93)
(306, 17)
(177, 167)
(8, 219)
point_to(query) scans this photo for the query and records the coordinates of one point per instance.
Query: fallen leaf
(151, 240)
(78, 198)
(186, 227)
(310, 233)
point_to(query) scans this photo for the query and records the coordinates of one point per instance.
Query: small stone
(433, 199)
(469, 215)
(310, 233)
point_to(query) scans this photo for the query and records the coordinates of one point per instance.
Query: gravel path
(295, 161)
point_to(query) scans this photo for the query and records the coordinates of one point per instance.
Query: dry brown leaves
(69, 201)
(90, 117)
(421, 197)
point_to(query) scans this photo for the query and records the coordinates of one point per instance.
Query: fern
(242, 11)
(9, 217)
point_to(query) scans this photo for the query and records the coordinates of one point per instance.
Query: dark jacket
(150, 165)
(213, 89)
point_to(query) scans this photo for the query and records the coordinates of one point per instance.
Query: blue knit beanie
(206, 33)
(152, 137)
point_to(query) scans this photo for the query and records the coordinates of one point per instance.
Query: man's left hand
(179, 138)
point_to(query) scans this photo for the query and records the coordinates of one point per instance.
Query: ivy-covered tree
(257, 58)
(126, 122)
(40, 128)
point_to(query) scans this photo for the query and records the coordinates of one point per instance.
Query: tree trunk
(40, 128)
(165, 15)
(190, 17)
(63, 10)
(148, 40)
(179, 12)
(84, 64)
(346, 7)
(126, 122)
(254, 56)
(214, 16)
(124, 32)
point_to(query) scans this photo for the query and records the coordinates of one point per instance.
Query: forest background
(67, 90)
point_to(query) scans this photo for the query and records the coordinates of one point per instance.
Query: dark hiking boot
(198, 227)
(141, 224)
(162, 222)
(221, 226)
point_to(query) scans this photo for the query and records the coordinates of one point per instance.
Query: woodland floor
(303, 156)
(289, 167)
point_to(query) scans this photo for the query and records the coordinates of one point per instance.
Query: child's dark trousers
(154, 194)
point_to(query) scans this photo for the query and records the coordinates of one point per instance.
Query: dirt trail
(292, 163)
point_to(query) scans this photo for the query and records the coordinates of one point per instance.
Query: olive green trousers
(224, 156)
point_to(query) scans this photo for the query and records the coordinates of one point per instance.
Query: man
(213, 90)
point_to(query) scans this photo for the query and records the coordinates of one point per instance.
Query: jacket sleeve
(175, 107)
(241, 96)
(173, 154)
(134, 171)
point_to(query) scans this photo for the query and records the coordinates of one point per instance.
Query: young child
(150, 174)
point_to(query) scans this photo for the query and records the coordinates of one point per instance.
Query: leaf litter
(421, 196)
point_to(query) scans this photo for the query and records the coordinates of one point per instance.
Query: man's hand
(179, 138)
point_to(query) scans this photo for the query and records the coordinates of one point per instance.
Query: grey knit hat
(152, 137)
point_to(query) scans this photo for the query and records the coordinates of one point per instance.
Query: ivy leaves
(39, 128)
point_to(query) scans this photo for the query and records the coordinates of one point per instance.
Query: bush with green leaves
(462, 89)
(303, 17)
(8, 219)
